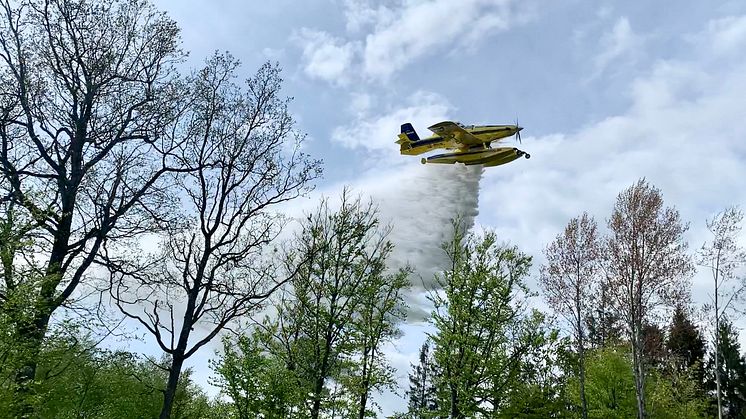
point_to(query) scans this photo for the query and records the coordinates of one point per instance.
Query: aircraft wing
(452, 131)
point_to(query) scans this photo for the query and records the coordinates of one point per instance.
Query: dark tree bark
(88, 90)
(212, 267)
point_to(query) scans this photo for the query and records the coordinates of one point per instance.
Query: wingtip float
(471, 144)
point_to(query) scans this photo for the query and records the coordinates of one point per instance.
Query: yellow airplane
(473, 143)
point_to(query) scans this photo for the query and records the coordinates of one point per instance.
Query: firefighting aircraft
(472, 142)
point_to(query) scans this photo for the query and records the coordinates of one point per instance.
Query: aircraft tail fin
(408, 130)
(408, 135)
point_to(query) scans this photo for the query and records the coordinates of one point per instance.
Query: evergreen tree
(686, 345)
(732, 370)
(653, 348)
(422, 397)
(604, 325)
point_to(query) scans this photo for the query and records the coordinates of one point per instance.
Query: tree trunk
(581, 347)
(31, 336)
(583, 402)
(174, 372)
(316, 407)
(455, 411)
(31, 333)
(639, 370)
(365, 384)
(717, 354)
(363, 401)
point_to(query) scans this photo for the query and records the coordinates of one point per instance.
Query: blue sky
(608, 92)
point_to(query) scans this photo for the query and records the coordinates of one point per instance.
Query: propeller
(518, 131)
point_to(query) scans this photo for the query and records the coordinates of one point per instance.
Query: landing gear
(423, 161)
(528, 156)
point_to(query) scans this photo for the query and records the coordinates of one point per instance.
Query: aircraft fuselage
(485, 133)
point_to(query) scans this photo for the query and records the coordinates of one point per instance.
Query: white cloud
(326, 57)
(426, 27)
(377, 132)
(621, 43)
(362, 14)
(384, 39)
(727, 35)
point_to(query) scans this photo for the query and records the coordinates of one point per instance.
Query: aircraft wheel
(528, 156)
(423, 161)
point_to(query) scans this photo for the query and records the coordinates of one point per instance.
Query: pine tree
(653, 345)
(604, 326)
(686, 344)
(421, 393)
(732, 371)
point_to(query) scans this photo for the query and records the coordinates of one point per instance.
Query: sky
(608, 93)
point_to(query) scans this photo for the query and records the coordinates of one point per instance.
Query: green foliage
(539, 391)
(604, 324)
(76, 379)
(686, 345)
(732, 372)
(675, 395)
(256, 383)
(482, 333)
(341, 308)
(422, 399)
(610, 388)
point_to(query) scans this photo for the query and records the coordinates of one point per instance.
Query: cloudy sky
(608, 92)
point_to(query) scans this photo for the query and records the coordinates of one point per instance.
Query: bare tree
(212, 270)
(87, 90)
(722, 256)
(647, 265)
(569, 280)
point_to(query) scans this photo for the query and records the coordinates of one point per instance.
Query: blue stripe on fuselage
(427, 142)
(437, 156)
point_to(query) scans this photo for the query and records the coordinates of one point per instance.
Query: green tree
(381, 311)
(653, 346)
(77, 380)
(257, 383)
(731, 372)
(337, 260)
(603, 323)
(482, 332)
(540, 388)
(686, 345)
(88, 88)
(611, 389)
(422, 399)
